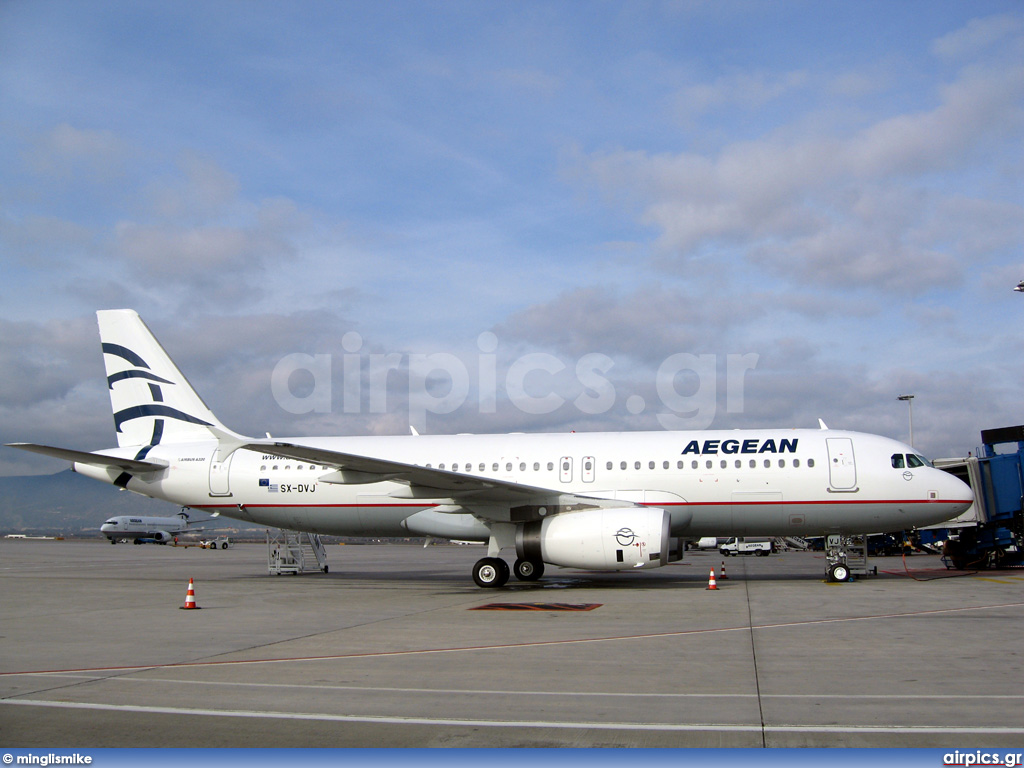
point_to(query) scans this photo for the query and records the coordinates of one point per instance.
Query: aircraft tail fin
(152, 400)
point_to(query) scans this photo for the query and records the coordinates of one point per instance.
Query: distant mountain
(70, 504)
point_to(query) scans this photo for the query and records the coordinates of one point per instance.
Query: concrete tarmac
(387, 651)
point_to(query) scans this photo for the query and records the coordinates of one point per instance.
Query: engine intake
(600, 539)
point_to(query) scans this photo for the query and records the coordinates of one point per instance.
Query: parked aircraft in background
(136, 528)
(610, 501)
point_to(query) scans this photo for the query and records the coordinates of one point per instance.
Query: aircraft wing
(427, 482)
(95, 459)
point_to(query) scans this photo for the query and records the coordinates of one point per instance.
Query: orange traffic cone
(725, 576)
(711, 580)
(190, 598)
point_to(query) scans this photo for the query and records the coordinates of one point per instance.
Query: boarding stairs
(294, 552)
(791, 542)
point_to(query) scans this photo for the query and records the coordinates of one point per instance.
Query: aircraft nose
(957, 492)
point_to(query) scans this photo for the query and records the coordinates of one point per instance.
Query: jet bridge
(994, 536)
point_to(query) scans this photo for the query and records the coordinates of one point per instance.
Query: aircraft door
(219, 476)
(842, 469)
(565, 469)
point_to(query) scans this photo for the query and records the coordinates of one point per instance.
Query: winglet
(822, 424)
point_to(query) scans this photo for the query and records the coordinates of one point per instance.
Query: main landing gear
(494, 572)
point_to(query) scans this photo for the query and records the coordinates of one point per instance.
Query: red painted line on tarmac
(509, 646)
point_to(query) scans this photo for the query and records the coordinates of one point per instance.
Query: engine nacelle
(599, 539)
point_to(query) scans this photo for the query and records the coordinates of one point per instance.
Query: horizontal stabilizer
(95, 459)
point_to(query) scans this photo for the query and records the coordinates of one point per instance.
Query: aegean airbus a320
(597, 501)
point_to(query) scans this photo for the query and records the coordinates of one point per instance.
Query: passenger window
(536, 466)
(810, 462)
(738, 463)
(693, 464)
(440, 466)
(482, 466)
(796, 462)
(494, 467)
(897, 461)
(522, 466)
(782, 463)
(551, 466)
(767, 463)
(609, 465)
(664, 465)
(622, 465)
(724, 463)
(263, 468)
(508, 467)
(275, 466)
(679, 465)
(753, 463)
(650, 465)
(708, 464)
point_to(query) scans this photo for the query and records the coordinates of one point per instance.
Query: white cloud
(977, 35)
(66, 150)
(746, 90)
(840, 210)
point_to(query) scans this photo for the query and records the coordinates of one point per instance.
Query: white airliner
(598, 501)
(135, 528)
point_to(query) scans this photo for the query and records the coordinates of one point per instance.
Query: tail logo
(157, 408)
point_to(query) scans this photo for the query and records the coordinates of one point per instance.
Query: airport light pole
(910, 401)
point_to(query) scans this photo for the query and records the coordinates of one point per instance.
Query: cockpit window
(912, 460)
(111, 522)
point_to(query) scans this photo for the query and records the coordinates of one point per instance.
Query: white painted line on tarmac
(443, 722)
(575, 694)
(533, 644)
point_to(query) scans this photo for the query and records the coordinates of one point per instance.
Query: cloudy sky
(349, 217)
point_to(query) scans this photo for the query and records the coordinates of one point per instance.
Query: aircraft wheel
(528, 570)
(838, 572)
(136, 542)
(490, 572)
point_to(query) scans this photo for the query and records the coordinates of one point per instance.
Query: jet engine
(599, 539)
